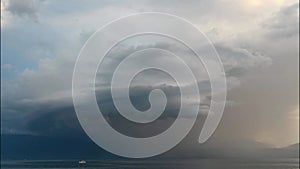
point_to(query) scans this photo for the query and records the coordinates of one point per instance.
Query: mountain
(291, 151)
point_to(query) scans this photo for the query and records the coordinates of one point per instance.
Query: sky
(257, 40)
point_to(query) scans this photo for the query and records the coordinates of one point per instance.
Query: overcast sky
(257, 41)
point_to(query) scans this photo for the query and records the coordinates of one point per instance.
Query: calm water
(160, 164)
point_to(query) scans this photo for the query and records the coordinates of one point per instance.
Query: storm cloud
(260, 57)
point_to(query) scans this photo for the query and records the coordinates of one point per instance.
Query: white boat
(81, 162)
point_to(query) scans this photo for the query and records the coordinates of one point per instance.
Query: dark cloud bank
(50, 130)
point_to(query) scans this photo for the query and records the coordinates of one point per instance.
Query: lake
(159, 164)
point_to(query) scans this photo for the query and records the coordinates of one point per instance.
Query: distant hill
(291, 151)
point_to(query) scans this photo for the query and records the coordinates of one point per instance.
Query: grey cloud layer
(25, 8)
(285, 23)
(263, 60)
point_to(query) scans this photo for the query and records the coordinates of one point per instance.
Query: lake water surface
(159, 164)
